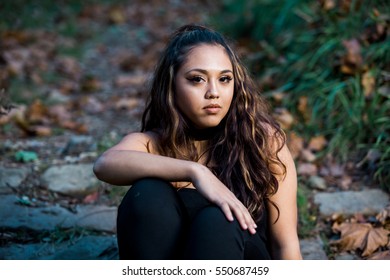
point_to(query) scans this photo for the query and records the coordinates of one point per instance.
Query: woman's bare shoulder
(139, 141)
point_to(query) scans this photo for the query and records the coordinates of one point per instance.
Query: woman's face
(205, 85)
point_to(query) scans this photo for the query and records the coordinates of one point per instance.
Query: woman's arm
(131, 160)
(284, 235)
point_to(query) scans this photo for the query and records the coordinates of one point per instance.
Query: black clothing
(157, 221)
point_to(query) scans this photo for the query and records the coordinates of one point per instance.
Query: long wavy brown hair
(244, 152)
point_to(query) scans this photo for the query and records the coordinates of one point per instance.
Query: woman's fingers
(240, 213)
(226, 210)
(244, 218)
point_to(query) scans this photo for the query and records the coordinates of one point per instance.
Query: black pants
(157, 221)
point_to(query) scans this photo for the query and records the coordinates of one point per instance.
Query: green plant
(306, 216)
(335, 57)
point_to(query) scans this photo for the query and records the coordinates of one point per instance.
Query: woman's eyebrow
(206, 72)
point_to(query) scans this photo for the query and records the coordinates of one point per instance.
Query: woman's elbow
(99, 167)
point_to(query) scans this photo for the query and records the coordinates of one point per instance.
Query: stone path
(95, 224)
(44, 210)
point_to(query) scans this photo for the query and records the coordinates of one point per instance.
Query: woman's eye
(196, 79)
(225, 79)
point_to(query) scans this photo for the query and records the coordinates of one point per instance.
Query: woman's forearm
(124, 167)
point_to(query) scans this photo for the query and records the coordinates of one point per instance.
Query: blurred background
(74, 77)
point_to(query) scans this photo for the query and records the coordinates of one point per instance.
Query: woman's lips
(212, 108)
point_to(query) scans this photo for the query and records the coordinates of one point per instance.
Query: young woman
(211, 175)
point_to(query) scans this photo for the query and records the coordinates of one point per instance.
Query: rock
(14, 215)
(92, 217)
(317, 182)
(11, 178)
(79, 144)
(83, 248)
(351, 202)
(74, 180)
(312, 249)
(89, 248)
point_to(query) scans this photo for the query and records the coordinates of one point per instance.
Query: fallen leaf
(284, 118)
(278, 96)
(307, 169)
(376, 238)
(303, 108)
(352, 60)
(384, 215)
(130, 80)
(93, 105)
(75, 126)
(91, 198)
(368, 84)
(328, 4)
(336, 170)
(362, 236)
(127, 103)
(41, 130)
(295, 144)
(90, 84)
(345, 182)
(308, 156)
(37, 112)
(317, 143)
(68, 66)
(128, 62)
(384, 255)
(116, 15)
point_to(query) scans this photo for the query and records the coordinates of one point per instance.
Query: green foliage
(306, 217)
(337, 57)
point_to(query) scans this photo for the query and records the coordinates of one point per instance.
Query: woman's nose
(212, 92)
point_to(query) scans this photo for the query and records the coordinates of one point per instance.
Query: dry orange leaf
(362, 236)
(328, 4)
(384, 215)
(303, 108)
(91, 198)
(368, 84)
(116, 15)
(384, 255)
(317, 143)
(37, 112)
(127, 103)
(136, 80)
(284, 118)
(90, 84)
(307, 169)
(295, 144)
(353, 59)
(41, 130)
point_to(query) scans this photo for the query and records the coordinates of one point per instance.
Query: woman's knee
(213, 218)
(149, 198)
(146, 193)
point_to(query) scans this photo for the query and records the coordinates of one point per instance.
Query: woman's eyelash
(195, 79)
(226, 78)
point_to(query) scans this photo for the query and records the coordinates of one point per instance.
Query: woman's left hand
(216, 192)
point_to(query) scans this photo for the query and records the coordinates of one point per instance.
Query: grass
(307, 219)
(303, 49)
